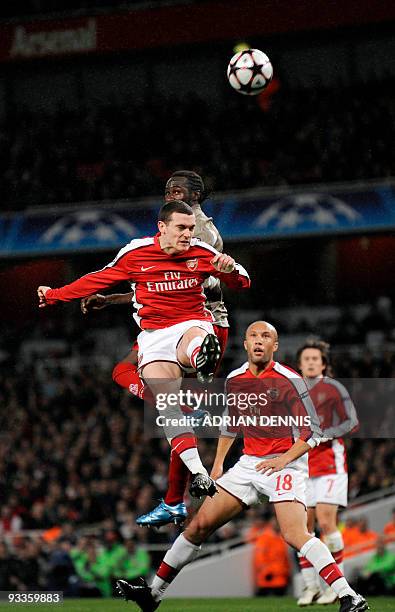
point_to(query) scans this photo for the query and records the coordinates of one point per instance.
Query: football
(250, 71)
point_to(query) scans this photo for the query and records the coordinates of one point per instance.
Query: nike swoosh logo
(326, 577)
(145, 269)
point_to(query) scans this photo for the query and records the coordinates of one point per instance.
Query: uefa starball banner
(284, 213)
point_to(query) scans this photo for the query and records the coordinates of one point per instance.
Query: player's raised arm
(230, 272)
(113, 273)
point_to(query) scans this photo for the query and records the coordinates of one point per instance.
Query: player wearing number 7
(274, 464)
(328, 478)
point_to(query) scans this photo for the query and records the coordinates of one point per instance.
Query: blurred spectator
(350, 535)
(271, 563)
(256, 521)
(389, 529)
(5, 584)
(135, 562)
(358, 538)
(378, 575)
(10, 522)
(24, 570)
(94, 579)
(60, 571)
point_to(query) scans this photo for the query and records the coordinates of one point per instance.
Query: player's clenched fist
(223, 263)
(41, 292)
(93, 302)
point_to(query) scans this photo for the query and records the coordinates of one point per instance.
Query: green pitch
(262, 604)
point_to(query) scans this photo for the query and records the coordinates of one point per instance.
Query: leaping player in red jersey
(270, 465)
(328, 478)
(168, 271)
(187, 186)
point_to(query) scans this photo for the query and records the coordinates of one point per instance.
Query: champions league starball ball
(250, 71)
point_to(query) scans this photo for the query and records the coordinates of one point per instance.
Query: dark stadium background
(106, 116)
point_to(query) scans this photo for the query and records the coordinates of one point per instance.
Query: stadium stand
(128, 149)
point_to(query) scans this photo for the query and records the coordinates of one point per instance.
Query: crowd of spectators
(78, 565)
(128, 149)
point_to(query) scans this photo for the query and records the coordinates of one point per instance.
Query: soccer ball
(250, 71)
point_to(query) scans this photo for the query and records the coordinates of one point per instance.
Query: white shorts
(252, 487)
(328, 489)
(161, 344)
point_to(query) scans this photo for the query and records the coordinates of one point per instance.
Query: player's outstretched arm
(277, 464)
(97, 301)
(89, 284)
(223, 446)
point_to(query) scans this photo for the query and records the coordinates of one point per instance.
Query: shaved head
(262, 325)
(260, 342)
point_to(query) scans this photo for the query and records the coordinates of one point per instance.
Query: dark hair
(195, 182)
(320, 345)
(169, 208)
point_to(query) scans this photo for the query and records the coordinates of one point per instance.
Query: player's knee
(120, 369)
(326, 525)
(200, 528)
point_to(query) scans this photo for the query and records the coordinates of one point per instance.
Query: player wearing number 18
(273, 464)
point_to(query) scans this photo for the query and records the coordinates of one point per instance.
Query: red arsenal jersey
(167, 288)
(337, 417)
(271, 410)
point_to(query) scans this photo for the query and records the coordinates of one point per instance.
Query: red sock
(304, 563)
(125, 374)
(166, 572)
(222, 335)
(186, 409)
(182, 443)
(338, 556)
(177, 480)
(178, 471)
(330, 573)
